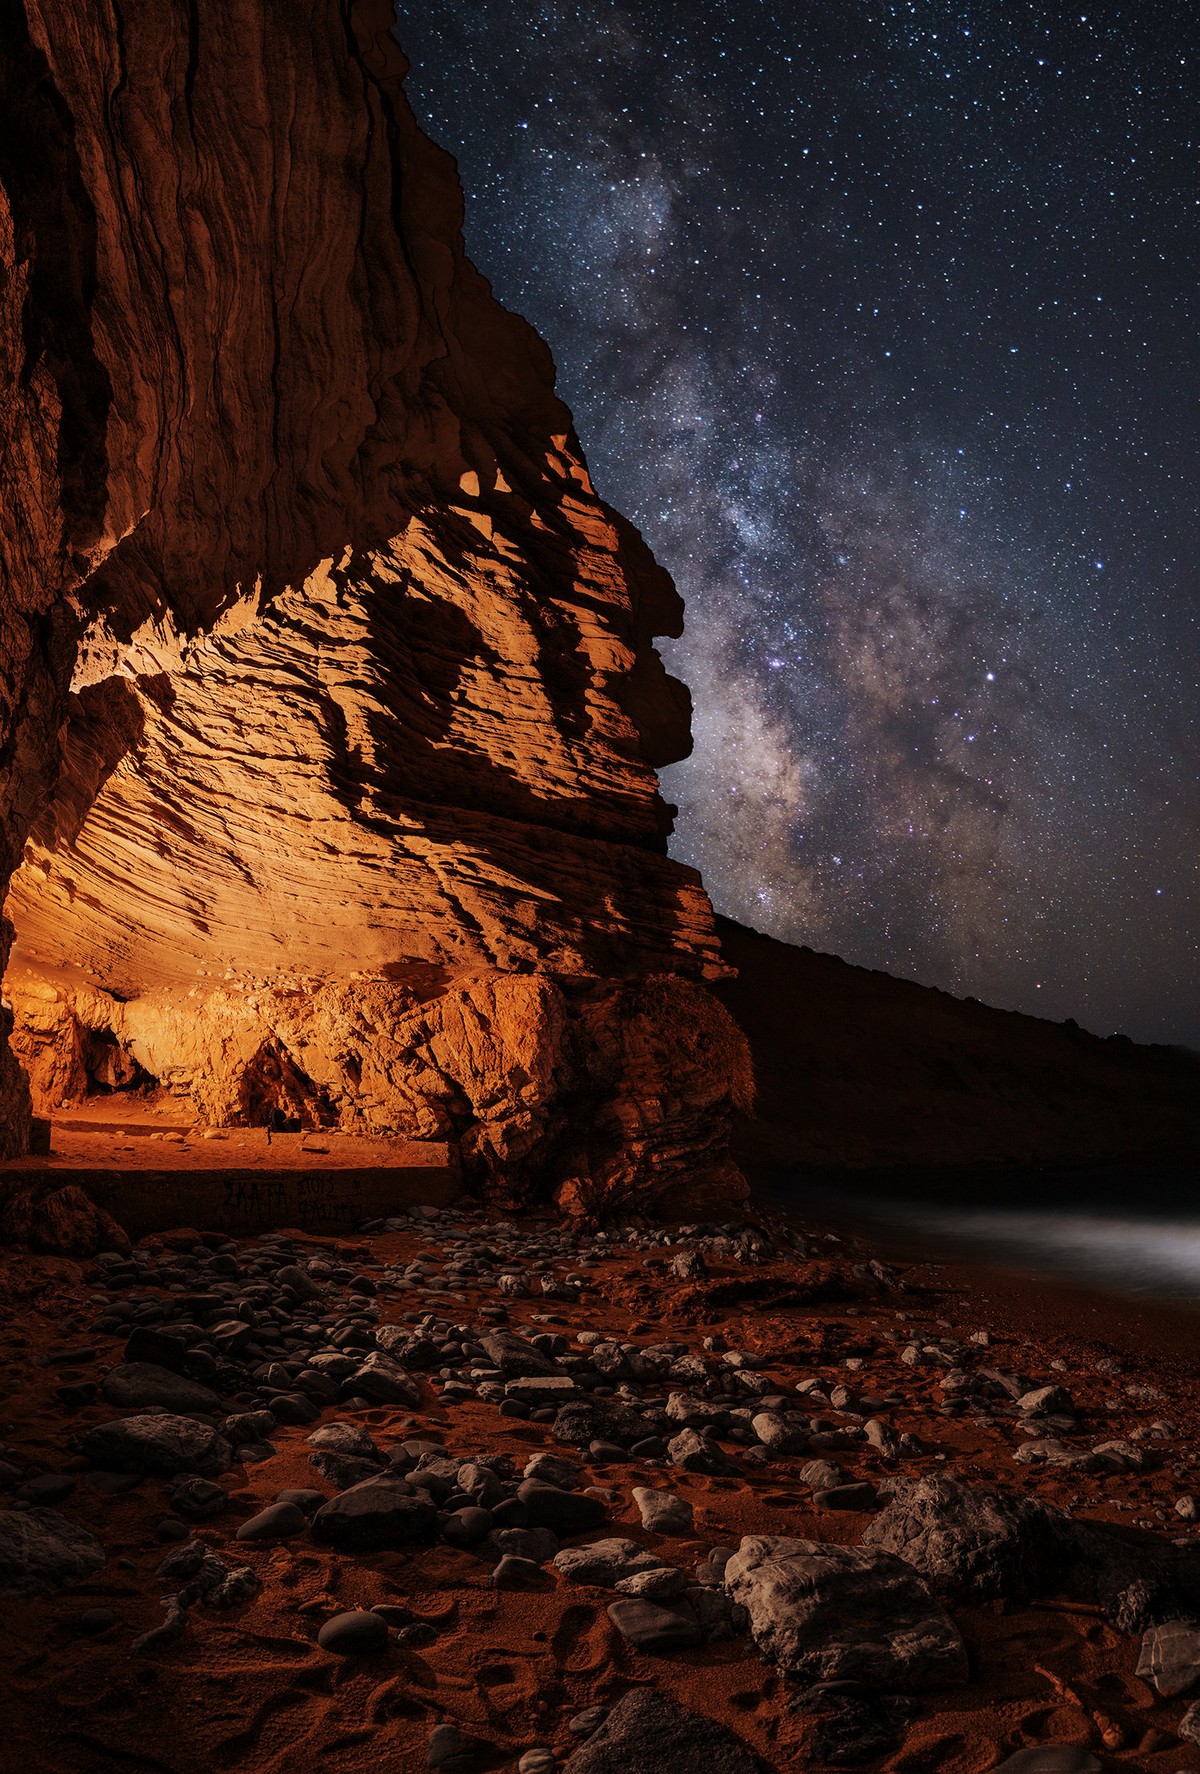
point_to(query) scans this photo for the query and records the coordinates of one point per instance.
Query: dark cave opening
(276, 1094)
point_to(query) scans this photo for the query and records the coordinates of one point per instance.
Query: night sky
(881, 322)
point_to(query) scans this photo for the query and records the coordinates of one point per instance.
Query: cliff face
(328, 700)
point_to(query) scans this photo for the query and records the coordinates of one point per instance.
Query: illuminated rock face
(328, 696)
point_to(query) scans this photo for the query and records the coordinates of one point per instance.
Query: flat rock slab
(604, 1562)
(1170, 1658)
(164, 1445)
(380, 1514)
(136, 1384)
(42, 1552)
(649, 1627)
(542, 1389)
(844, 1613)
(649, 1733)
(516, 1358)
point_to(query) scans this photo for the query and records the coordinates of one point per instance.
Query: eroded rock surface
(844, 1613)
(41, 1552)
(974, 1541)
(650, 1733)
(328, 691)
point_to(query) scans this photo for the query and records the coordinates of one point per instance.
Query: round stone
(358, 1633)
(47, 1487)
(306, 1500)
(466, 1526)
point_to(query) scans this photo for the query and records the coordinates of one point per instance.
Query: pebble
(358, 1633)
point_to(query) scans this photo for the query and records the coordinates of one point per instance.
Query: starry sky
(880, 320)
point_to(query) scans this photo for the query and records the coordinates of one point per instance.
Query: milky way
(880, 321)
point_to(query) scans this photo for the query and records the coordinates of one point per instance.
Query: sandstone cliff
(328, 700)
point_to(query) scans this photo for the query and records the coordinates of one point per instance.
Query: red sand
(253, 1692)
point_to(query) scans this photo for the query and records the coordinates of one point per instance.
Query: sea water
(1118, 1230)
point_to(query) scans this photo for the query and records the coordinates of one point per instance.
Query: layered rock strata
(328, 700)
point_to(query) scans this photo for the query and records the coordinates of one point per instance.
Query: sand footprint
(580, 1642)
(231, 1750)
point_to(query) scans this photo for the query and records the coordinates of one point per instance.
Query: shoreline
(1028, 1300)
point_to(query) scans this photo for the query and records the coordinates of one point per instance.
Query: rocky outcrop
(328, 696)
(64, 1220)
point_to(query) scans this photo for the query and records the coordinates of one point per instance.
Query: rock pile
(449, 1386)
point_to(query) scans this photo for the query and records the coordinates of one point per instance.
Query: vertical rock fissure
(54, 224)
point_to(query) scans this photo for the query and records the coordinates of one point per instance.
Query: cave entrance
(110, 1068)
(277, 1095)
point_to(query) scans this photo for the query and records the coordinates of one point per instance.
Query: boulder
(380, 1514)
(692, 1452)
(1170, 1658)
(663, 1512)
(844, 1613)
(345, 1438)
(66, 1223)
(384, 1381)
(1136, 1578)
(564, 1512)
(647, 1732)
(135, 1384)
(164, 1444)
(781, 1434)
(279, 1521)
(356, 1633)
(692, 1412)
(516, 1358)
(974, 1541)
(42, 1552)
(344, 1470)
(409, 1347)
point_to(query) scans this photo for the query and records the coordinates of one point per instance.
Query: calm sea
(1126, 1231)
